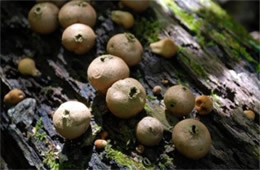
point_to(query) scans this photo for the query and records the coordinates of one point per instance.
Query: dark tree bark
(216, 57)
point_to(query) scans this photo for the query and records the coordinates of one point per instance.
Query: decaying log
(216, 57)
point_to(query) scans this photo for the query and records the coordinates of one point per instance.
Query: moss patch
(147, 29)
(122, 159)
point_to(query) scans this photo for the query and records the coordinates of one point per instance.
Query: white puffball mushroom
(149, 131)
(71, 119)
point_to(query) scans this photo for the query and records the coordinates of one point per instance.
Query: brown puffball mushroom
(77, 12)
(249, 114)
(203, 105)
(191, 138)
(43, 17)
(149, 131)
(136, 5)
(100, 143)
(179, 100)
(14, 96)
(27, 66)
(78, 38)
(71, 119)
(157, 90)
(127, 47)
(105, 70)
(165, 48)
(126, 98)
(123, 18)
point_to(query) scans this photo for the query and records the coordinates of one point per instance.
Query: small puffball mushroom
(149, 131)
(123, 18)
(157, 90)
(179, 100)
(105, 70)
(127, 47)
(43, 17)
(79, 38)
(203, 105)
(71, 119)
(77, 12)
(100, 143)
(136, 5)
(27, 66)
(14, 96)
(249, 114)
(126, 98)
(191, 138)
(165, 48)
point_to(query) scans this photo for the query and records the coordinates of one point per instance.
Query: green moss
(150, 98)
(39, 133)
(216, 98)
(147, 29)
(195, 67)
(122, 159)
(50, 160)
(189, 19)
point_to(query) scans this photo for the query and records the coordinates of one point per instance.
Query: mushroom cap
(249, 114)
(179, 100)
(191, 138)
(79, 38)
(149, 131)
(14, 96)
(137, 6)
(127, 47)
(166, 48)
(77, 12)
(71, 119)
(27, 66)
(126, 98)
(203, 104)
(123, 18)
(105, 70)
(43, 17)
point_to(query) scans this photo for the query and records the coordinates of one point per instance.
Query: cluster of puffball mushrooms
(109, 74)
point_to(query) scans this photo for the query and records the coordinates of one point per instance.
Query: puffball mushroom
(127, 47)
(77, 12)
(203, 105)
(179, 100)
(123, 18)
(71, 119)
(14, 96)
(27, 66)
(100, 143)
(43, 17)
(126, 98)
(78, 38)
(191, 138)
(105, 70)
(165, 48)
(136, 5)
(149, 131)
(249, 114)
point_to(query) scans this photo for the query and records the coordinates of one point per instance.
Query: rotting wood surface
(216, 57)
